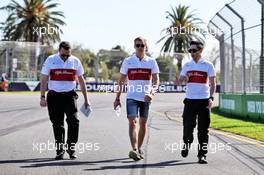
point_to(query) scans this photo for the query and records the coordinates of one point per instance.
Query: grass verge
(246, 127)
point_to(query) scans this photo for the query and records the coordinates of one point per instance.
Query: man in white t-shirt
(201, 83)
(60, 71)
(142, 73)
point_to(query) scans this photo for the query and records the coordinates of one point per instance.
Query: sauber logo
(63, 74)
(139, 71)
(195, 74)
(139, 74)
(197, 77)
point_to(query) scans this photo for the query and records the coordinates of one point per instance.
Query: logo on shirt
(139, 74)
(197, 77)
(63, 74)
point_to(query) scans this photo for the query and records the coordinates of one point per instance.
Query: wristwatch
(212, 98)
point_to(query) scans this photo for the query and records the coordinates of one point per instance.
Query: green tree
(25, 21)
(104, 73)
(87, 57)
(165, 63)
(114, 73)
(113, 59)
(184, 27)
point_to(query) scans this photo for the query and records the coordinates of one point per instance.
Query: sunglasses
(65, 56)
(193, 50)
(140, 45)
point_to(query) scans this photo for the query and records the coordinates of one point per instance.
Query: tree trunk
(179, 63)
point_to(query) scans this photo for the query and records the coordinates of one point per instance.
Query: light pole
(97, 66)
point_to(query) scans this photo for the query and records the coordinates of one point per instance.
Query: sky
(103, 24)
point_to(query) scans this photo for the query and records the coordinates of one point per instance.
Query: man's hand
(148, 98)
(121, 83)
(117, 103)
(43, 102)
(43, 86)
(87, 103)
(212, 81)
(181, 79)
(84, 91)
(210, 103)
(177, 81)
(155, 87)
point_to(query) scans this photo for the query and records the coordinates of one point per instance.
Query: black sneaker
(202, 159)
(185, 150)
(72, 154)
(60, 155)
(141, 153)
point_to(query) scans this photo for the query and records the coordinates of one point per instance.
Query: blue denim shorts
(137, 108)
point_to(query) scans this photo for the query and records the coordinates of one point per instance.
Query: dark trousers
(196, 110)
(58, 105)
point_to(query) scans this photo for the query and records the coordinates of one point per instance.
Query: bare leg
(142, 131)
(133, 132)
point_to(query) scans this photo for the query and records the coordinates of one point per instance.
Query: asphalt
(26, 141)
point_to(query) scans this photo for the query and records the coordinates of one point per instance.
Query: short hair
(65, 45)
(143, 40)
(199, 44)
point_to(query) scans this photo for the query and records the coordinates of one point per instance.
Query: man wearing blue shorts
(142, 75)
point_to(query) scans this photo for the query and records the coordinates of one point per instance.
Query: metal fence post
(221, 39)
(232, 52)
(243, 45)
(261, 60)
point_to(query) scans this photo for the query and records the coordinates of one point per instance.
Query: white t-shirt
(139, 75)
(62, 75)
(198, 75)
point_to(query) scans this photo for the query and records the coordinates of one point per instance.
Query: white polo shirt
(62, 75)
(198, 75)
(139, 74)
